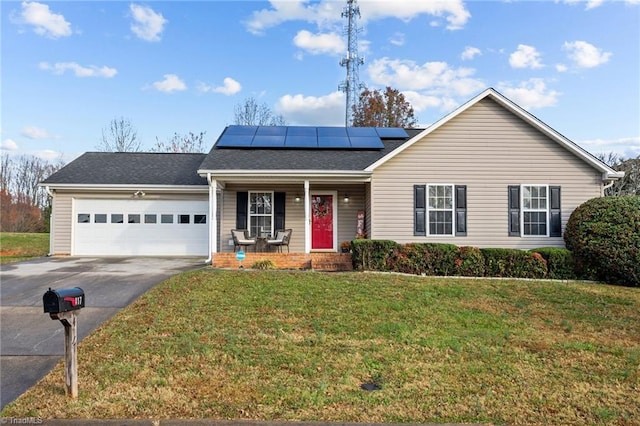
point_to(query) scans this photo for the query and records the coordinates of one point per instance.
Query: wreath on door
(321, 207)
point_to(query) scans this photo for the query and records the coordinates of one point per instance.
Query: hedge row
(448, 259)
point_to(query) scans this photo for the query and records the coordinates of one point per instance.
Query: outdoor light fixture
(346, 198)
(139, 194)
(297, 199)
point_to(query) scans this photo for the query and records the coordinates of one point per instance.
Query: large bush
(560, 262)
(604, 237)
(513, 263)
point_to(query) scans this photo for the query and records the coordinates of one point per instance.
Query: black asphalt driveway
(30, 342)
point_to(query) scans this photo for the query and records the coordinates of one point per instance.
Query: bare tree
(192, 142)
(630, 183)
(250, 113)
(120, 136)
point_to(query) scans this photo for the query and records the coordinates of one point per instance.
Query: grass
(15, 247)
(276, 345)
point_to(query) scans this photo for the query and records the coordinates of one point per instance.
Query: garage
(140, 227)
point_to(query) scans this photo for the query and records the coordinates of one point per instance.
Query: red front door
(322, 222)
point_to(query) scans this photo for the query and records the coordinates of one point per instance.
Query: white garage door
(140, 228)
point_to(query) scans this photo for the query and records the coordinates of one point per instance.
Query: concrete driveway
(30, 342)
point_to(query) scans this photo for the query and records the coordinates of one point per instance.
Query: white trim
(334, 194)
(608, 172)
(157, 188)
(547, 210)
(452, 210)
(249, 215)
(307, 218)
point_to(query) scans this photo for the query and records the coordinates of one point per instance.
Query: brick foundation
(316, 261)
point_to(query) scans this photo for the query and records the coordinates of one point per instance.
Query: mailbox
(63, 300)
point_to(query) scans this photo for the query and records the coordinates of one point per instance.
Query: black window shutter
(514, 210)
(242, 203)
(461, 210)
(555, 216)
(419, 209)
(279, 199)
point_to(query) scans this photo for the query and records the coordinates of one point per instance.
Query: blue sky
(69, 68)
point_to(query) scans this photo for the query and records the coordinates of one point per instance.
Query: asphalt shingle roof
(122, 168)
(220, 159)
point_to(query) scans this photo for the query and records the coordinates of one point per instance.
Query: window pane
(84, 218)
(100, 218)
(183, 218)
(117, 218)
(199, 218)
(166, 218)
(150, 218)
(133, 218)
(260, 226)
(535, 223)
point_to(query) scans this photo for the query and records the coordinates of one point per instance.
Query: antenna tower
(351, 86)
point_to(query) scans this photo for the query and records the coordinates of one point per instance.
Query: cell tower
(351, 86)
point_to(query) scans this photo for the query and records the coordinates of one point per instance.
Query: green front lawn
(15, 247)
(298, 346)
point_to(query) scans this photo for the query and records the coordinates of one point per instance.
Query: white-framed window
(260, 214)
(440, 209)
(535, 210)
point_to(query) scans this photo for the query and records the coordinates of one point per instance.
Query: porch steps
(331, 262)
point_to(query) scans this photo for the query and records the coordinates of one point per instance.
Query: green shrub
(469, 262)
(513, 263)
(263, 264)
(604, 236)
(560, 262)
(372, 255)
(425, 258)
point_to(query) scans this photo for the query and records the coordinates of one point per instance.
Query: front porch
(315, 261)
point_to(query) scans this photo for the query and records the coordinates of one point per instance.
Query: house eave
(288, 175)
(126, 187)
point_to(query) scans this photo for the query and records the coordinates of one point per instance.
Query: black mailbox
(63, 300)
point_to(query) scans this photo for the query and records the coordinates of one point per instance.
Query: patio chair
(241, 239)
(282, 239)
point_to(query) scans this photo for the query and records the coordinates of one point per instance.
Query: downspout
(211, 219)
(51, 221)
(607, 186)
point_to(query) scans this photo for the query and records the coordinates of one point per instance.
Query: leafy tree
(120, 136)
(383, 109)
(250, 113)
(192, 142)
(24, 205)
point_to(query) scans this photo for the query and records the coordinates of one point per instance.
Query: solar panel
(333, 142)
(241, 130)
(301, 141)
(272, 130)
(234, 141)
(366, 142)
(391, 132)
(332, 131)
(302, 131)
(260, 141)
(362, 131)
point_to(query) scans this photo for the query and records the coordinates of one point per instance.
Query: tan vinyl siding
(486, 148)
(294, 211)
(64, 214)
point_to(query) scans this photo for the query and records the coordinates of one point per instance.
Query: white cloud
(328, 12)
(171, 83)
(561, 68)
(525, 57)
(148, 25)
(531, 94)
(589, 4)
(325, 110)
(33, 132)
(420, 101)
(8, 145)
(397, 39)
(327, 43)
(586, 55)
(624, 147)
(45, 22)
(438, 77)
(229, 87)
(59, 68)
(470, 52)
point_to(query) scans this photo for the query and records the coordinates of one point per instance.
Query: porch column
(307, 218)
(213, 218)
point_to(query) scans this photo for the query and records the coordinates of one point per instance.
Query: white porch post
(307, 218)
(213, 223)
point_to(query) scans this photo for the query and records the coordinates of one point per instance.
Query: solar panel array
(303, 137)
